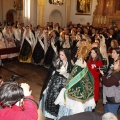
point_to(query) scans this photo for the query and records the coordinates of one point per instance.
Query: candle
(98, 19)
(101, 19)
(105, 20)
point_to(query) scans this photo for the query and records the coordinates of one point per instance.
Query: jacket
(111, 88)
(16, 113)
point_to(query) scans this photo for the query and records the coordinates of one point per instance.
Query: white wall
(33, 13)
(83, 19)
(7, 5)
(49, 8)
(1, 8)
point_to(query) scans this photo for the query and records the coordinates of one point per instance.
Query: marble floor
(34, 76)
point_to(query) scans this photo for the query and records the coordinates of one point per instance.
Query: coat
(16, 113)
(84, 116)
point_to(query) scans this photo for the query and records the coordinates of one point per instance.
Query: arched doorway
(56, 17)
(11, 16)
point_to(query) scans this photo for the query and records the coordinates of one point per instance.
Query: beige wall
(83, 19)
(1, 9)
(7, 5)
(48, 9)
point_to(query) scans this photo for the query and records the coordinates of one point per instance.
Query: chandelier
(18, 4)
(57, 2)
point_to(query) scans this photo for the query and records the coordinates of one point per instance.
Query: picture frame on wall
(18, 4)
(83, 7)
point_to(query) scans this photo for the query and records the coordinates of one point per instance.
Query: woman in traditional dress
(2, 46)
(18, 35)
(62, 37)
(53, 49)
(78, 94)
(103, 49)
(9, 40)
(67, 42)
(28, 44)
(40, 48)
(62, 68)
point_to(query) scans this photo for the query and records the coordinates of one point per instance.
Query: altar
(107, 14)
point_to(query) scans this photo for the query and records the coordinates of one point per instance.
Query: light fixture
(18, 5)
(58, 2)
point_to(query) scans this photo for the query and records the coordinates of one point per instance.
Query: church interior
(45, 16)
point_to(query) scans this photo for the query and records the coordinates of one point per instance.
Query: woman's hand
(101, 71)
(26, 89)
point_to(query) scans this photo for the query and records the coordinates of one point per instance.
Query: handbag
(110, 99)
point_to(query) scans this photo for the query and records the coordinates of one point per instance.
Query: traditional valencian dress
(17, 35)
(2, 45)
(52, 51)
(103, 49)
(78, 94)
(40, 49)
(9, 41)
(27, 46)
(55, 84)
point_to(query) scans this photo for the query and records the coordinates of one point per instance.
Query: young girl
(78, 93)
(28, 43)
(62, 68)
(94, 62)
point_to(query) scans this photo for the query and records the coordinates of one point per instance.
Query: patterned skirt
(54, 87)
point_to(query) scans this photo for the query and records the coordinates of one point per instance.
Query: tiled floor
(34, 76)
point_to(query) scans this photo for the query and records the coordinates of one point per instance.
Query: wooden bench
(9, 50)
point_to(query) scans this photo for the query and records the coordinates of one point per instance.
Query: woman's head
(95, 44)
(117, 65)
(64, 54)
(78, 37)
(114, 44)
(10, 93)
(109, 116)
(62, 34)
(67, 37)
(116, 53)
(55, 33)
(95, 54)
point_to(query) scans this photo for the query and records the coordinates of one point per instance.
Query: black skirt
(38, 53)
(55, 85)
(25, 52)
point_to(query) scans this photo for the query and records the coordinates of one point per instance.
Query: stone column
(68, 8)
(40, 12)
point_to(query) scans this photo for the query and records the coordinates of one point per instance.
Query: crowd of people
(80, 59)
